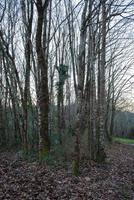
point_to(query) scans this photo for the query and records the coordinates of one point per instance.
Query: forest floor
(114, 180)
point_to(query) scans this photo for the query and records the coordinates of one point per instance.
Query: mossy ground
(123, 140)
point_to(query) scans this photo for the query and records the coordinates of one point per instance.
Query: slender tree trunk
(79, 97)
(43, 96)
(101, 91)
(27, 9)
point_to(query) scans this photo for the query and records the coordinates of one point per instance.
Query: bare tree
(43, 95)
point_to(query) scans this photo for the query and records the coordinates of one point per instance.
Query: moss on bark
(43, 154)
(75, 168)
(101, 156)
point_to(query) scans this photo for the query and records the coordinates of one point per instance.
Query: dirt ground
(113, 180)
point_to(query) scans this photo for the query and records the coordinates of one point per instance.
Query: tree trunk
(101, 91)
(43, 96)
(80, 88)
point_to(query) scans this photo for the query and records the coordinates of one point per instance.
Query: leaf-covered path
(111, 181)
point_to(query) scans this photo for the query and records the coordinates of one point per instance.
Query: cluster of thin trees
(65, 66)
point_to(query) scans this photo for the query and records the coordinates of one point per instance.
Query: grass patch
(123, 140)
